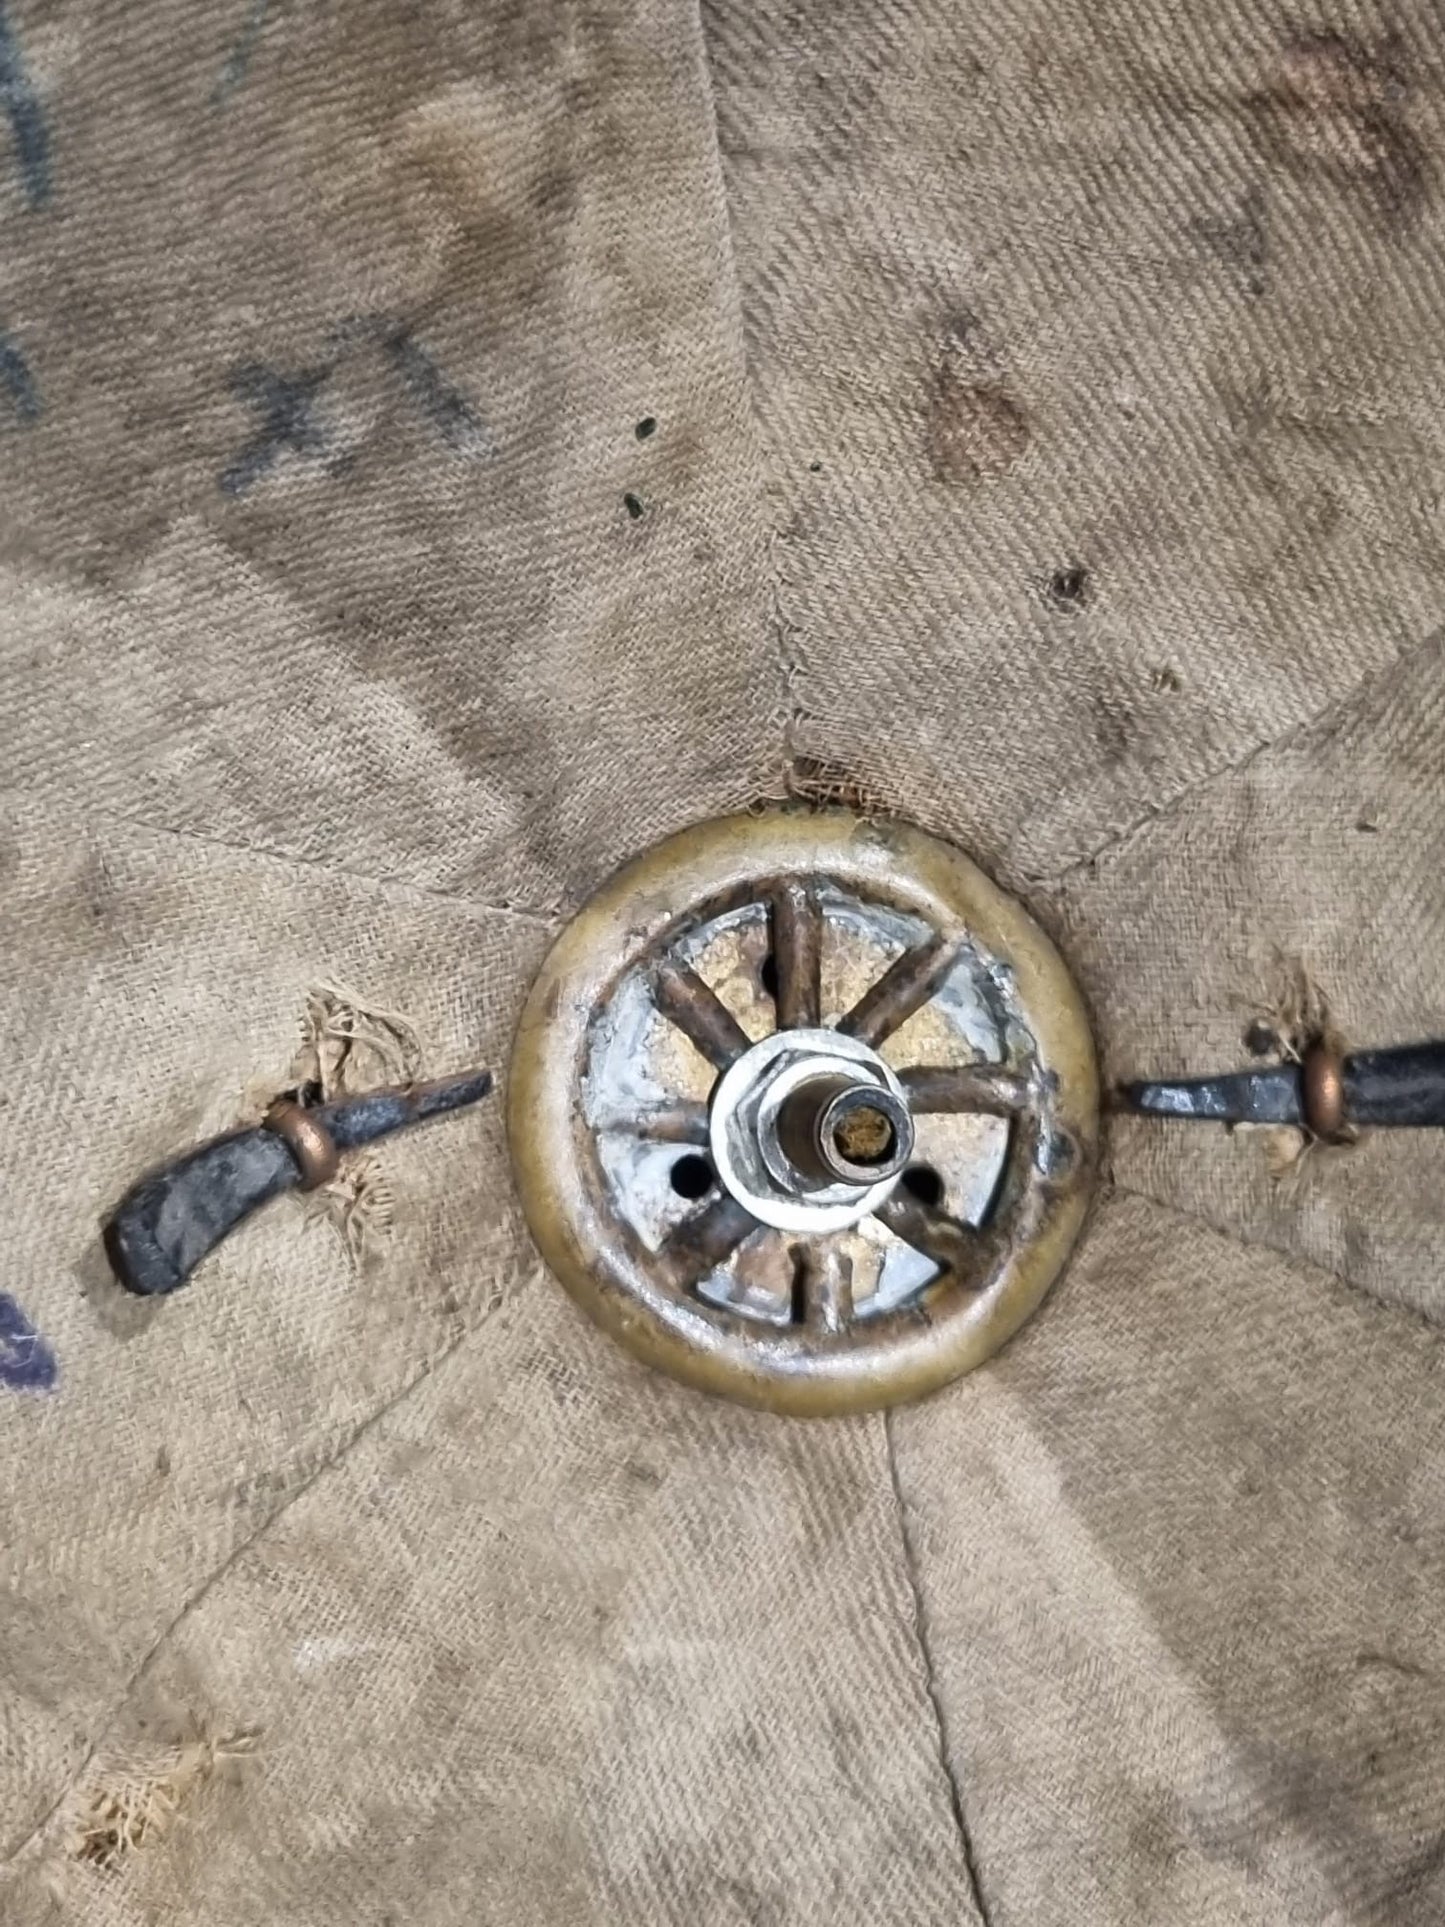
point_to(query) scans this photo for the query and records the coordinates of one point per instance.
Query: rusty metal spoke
(988, 1088)
(798, 957)
(705, 1240)
(699, 1013)
(904, 987)
(944, 1239)
(673, 1124)
(822, 1287)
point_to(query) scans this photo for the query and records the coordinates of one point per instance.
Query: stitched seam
(930, 1677)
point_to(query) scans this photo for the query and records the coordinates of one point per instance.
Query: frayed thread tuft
(136, 1798)
(348, 1046)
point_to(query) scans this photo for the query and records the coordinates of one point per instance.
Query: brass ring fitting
(1323, 1085)
(311, 1144)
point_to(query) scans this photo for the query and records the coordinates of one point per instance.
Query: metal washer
(748, 1178)
(662, 981)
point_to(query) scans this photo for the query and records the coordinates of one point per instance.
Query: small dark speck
(1367, 828)
(647, 426)
(633, 505)
(163, 1461)
(1060, 1153)
(1070, 587)
(815, 468)
(1261, 1040)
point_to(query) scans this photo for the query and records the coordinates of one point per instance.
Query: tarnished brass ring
(604, 995)
(1324, 1091)
(311, 1144)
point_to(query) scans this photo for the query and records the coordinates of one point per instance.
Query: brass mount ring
(937, 991)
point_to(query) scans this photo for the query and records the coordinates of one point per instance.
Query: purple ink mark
(27, 1363)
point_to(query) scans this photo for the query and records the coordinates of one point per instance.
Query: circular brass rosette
(803, 1110)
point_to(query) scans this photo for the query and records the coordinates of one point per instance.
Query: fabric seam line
(1332, 715)
(208, 1585)
(930, 1678)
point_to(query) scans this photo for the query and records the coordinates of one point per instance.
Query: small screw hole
(924, 1183)
(768, 975)
(798, 1310)
(1069, 587)
(692, 1176)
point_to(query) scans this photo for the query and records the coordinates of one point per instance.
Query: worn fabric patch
(448, 449)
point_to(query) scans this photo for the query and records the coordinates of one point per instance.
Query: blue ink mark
(16, 380)
(443, 404)
(287, 421)
(26, 1362)
(287, 403)
(239, 58)
(21, 106)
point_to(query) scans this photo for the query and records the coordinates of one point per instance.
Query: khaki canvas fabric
(1047, 448)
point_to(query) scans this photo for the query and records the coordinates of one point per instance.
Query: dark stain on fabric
(1240, 240)
(286, 406)
(238, 60)
(753, 1907)
(1335, 109)
(17, 381)
(1418, 1880)
(97, 887)
(119, 1313)
(634, 506)
(975, 430)
(1113, 729)
(1290, 1791)
(29, 135)
(1391, 1663)
(27, 1363)
(748, 1745)
(439, 400)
